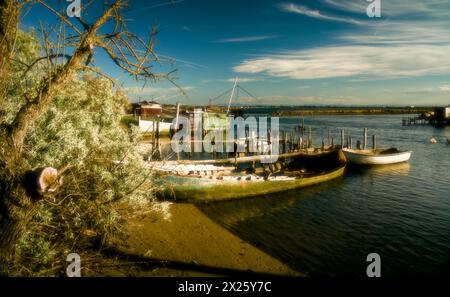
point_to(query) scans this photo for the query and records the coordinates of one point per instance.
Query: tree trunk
(8, 30)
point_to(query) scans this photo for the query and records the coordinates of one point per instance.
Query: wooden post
(303, 131)
(374, 142)
(342, 138)
(175, 129)
(158, 143)
(247, 142)
(257, 145)
(235, 154)
(294, 142)
(350, 142)
(329, 137)
(310, 137)
(365, 139)
(153, 136)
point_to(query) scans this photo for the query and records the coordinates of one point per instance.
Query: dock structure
(250, 146)
(413, 121)
(440, 117)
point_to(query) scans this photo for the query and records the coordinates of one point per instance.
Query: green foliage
(105, 175)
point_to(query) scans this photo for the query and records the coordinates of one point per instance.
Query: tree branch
(50, 85)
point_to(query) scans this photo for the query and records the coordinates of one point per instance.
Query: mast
(232, 94)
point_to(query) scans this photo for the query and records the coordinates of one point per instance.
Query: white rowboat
(377, 157)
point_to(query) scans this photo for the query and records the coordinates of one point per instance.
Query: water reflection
(232, 212)
(390, 170)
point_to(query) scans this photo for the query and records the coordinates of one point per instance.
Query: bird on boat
(433, 140)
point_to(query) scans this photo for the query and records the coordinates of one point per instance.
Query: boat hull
(363, 158)
(186, 188)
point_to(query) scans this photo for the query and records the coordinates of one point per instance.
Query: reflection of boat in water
(392, 169)
(376, 157)
(232, 212)
(301, 171)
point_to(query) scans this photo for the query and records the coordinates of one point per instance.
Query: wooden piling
(329, 137)
(374, 142)
(269, 140)
(303, 131)
(365, 139)
(158, 142)
(310, 137)
(342, 138)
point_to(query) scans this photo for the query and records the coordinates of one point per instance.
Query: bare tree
(69, 52)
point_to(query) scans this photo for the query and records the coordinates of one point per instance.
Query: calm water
(401, 211)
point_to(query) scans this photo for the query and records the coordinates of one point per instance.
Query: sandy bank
(190, 244)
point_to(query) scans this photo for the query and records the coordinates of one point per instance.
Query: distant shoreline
(346, 111)
(309, 110)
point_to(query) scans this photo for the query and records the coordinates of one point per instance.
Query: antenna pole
(232, 94)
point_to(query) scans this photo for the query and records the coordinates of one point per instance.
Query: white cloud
(394, 7)
(231, 80)
(444, 88)
(246, 39)
(245, 79)
(353, 60)
(406, 32)
(303, 10)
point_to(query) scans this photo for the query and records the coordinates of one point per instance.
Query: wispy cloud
(382, 50)
(395, 7)
(231, 80)
(186, 28)
(444, 88)
(245, 79)
(353, 60)
(407, 32)
(171, 2)
(182, 62)
(156, 93)
(246, 39)
(314, 13)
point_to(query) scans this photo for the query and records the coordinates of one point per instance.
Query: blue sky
(293, 52)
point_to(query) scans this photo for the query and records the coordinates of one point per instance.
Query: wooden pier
(418, 120)
(297, 140)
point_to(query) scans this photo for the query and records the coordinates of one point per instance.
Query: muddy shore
(188, 243)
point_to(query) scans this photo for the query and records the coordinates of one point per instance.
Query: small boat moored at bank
(376, 157)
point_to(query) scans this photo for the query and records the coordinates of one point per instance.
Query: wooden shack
(147, 109)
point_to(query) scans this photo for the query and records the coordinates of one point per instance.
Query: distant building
(442, 115)
(147, 109)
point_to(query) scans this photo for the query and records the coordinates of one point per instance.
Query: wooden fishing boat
(376, 157)
(213, 184)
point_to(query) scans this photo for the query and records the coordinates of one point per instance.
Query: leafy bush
(104, 178)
